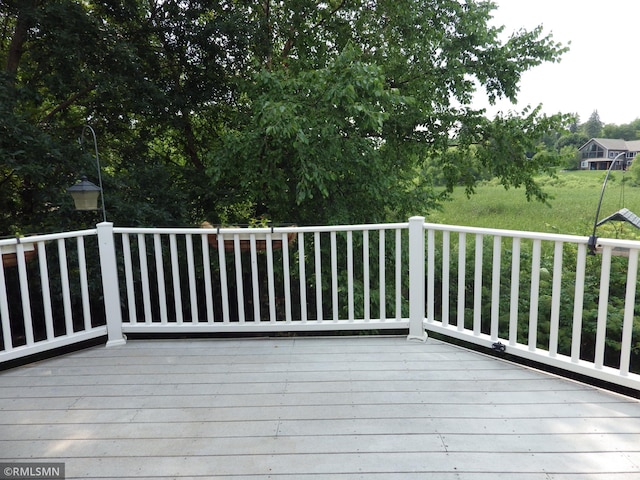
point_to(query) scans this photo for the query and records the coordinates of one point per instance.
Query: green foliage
(628, 131)
(305, 109)
(376, 105)
(567, 144)
(634, 172)
(309, 140)
(515, 141)
(513, 152)
(29, 190)
(575, 140)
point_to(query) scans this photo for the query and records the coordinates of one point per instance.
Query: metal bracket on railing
(499, 347)
(592, 244)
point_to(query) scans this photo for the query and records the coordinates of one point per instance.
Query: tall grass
(570, 210)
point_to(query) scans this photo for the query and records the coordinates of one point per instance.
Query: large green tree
(303, 111)
(349, 99)
(593, 127)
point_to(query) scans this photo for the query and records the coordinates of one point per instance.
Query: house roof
(614, 144)
(634, 145)
(609, 143)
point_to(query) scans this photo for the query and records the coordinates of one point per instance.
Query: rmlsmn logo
(20, 471)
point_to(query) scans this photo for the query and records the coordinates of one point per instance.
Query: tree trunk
(16, 47)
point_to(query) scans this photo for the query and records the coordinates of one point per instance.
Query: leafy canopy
(349, 100)
(307, 112)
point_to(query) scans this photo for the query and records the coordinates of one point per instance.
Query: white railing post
(416, 280)
(110, 287)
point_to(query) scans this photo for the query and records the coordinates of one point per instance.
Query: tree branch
(66, 104)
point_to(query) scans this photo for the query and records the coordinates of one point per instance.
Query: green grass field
(571, 210)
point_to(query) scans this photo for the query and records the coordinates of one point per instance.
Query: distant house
(598, 153)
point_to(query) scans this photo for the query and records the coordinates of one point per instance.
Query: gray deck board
(312, 408)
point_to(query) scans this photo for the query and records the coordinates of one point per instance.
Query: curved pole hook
(593, 238)
(95, 146)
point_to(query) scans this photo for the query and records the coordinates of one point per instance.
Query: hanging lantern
(85, 195)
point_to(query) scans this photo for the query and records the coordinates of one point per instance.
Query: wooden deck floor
(311, 408)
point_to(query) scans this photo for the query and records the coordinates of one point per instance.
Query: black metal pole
(95, 146)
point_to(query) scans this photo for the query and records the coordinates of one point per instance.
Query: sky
(601, 71)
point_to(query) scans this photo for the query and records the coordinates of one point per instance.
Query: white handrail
(46, 237)
(263, 230)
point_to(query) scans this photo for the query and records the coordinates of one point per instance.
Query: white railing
(285, 279)
(46, 286)
(537, 296)
(542, 297)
